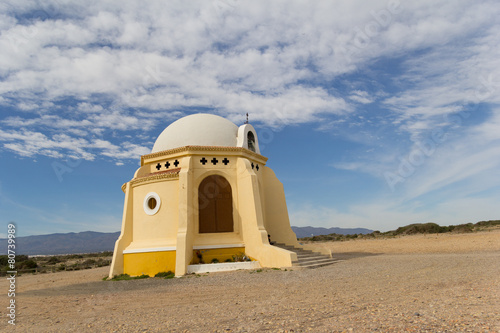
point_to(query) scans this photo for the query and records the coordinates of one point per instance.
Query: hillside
(411, 229)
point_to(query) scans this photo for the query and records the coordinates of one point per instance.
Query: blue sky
(373, 114)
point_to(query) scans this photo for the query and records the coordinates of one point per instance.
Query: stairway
(308, 258)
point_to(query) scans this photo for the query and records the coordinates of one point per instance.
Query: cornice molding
(197, 149)
(171, 174)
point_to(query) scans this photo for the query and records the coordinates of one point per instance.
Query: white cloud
(361, 97)
(62, 146)
(276, 61)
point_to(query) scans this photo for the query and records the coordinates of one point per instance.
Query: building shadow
(353, 255)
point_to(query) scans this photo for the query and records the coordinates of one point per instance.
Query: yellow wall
(149, 263)
(126, 234)
(163, 225)
(185, 219)
(276, 220)
(252, 220)
(220, 254)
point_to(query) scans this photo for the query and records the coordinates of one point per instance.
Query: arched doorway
(215, 204)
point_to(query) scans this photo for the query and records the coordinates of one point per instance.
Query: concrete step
(308, 255)
(307, 258)
(292, 248)
(314, 264)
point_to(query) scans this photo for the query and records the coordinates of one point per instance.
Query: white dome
(197, 130)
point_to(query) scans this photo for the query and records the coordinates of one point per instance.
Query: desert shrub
(21, 257)
(463, 228)
(100, 254)
(215, 261)
(166, 275)
(421, 228)
(89, 262)
(489, 223)
(74, 256)
(241, 257)
(103, 262)
(27, 264)
(128, 277)
(53, 260)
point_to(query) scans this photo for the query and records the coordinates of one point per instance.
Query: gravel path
(415, 292)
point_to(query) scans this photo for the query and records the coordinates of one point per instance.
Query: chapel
(204, 194)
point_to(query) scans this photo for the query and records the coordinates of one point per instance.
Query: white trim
(221, 246)
(151, 249)
(148, 210)
(222, 267)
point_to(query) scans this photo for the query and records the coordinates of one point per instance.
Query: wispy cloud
(361, 97)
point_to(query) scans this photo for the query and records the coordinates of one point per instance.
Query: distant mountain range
(91, 241)
(81, 242)
(314, 231)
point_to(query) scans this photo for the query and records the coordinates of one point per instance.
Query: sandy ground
(432, 243)
(434, 283)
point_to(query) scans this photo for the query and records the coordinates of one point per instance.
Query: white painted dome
(197, 130)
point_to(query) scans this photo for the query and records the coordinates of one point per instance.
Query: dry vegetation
(45, 264)
(421, 283)
(411, 229)
(488, 240)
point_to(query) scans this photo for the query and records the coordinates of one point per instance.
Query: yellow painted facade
(148, 263)
(222, 255)
(169, 180)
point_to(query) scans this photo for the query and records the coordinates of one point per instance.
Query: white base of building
(222, 267)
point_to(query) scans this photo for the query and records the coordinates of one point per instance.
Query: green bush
(128, 277)
(74, 256)
(27, 264)
(420, 228)
(53, 260)
(463, 228)
(89, 262)
(166, 275)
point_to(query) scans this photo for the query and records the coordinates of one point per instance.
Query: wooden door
(215, 202)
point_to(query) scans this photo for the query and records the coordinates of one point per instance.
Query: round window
(151, 203)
